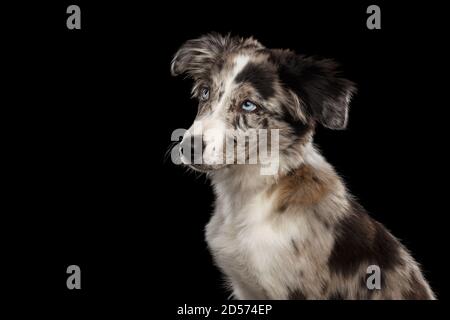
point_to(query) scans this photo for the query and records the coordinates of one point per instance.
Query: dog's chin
(205, 168)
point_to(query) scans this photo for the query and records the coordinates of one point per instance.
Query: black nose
(196, 147)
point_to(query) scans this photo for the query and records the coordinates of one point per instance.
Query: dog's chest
(250, 243)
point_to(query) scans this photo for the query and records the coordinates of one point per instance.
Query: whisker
(168, 153)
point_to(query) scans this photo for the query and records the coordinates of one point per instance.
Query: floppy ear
(318, 84)
(197, 56)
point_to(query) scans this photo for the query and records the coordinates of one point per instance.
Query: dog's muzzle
(191, 151)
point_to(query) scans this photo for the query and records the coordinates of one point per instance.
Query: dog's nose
(192, 148)
(197, 146)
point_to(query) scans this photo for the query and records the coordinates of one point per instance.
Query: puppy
(296, 233)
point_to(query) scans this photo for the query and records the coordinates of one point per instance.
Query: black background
(92, 112)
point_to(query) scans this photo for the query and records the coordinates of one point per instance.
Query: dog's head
(241, 85)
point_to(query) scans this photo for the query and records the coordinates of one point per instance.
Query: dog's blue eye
(248, 106)
(204, 94)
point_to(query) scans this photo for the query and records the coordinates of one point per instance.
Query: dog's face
(241, 85)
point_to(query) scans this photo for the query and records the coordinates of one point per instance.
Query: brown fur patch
(303, 187)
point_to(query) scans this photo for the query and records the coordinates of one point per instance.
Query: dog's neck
(249, 176)
(239, 183)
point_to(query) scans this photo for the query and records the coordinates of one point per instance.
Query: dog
(298, 233)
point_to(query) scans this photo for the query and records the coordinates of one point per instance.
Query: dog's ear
(318, 85)
(196, 57)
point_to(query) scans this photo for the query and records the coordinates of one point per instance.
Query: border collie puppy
(298, 233)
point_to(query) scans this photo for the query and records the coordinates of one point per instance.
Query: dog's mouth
(206, 167)
(196, 162)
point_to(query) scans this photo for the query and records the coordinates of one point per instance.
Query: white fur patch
(213, 124)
